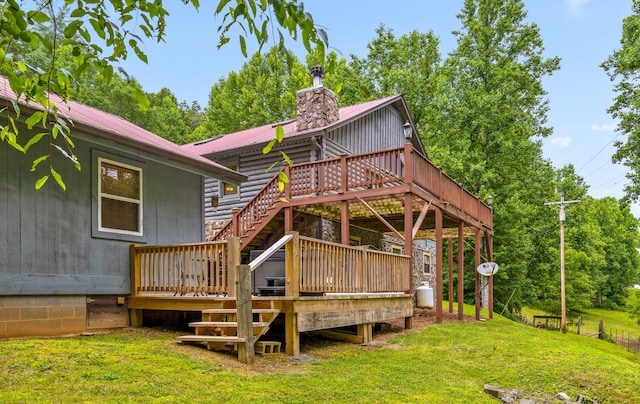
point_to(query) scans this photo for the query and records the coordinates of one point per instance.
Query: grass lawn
(446, 363)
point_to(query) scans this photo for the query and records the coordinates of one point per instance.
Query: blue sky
(583, 33)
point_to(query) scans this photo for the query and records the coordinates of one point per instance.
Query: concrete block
(19, 301)
(34, 313)
(47, 301)
(62, 312)
(9, 313)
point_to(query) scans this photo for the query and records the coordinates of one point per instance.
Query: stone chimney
(316, 106)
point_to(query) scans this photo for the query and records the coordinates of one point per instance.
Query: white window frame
(139, 202)
(426, 260)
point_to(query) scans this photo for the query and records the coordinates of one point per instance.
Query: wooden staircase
(219, 327)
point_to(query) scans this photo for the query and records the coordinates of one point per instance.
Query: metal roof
(101, 124)
(263, 134)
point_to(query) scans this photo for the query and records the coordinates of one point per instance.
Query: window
(119, 198)
(228, 190)
(396, 249)
(426, 260)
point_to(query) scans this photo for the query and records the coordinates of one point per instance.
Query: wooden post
(135, 267)
(408, 244)
(344, 222)
(291, 333)
(477, 275)
(408, 163)
(233, 259)
(344, 178)
(244, 313)
(601, 329)
(235, 222)
(489, 241)
(292, 266)
(450, 273)
(364, 274)
(579, 323)
(288, 210)
(365, 331)
(438, 213)
(460, 270)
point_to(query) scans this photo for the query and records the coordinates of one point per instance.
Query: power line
(600, 151)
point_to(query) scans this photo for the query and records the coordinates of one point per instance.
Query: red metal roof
(104, 125)
(264, 134)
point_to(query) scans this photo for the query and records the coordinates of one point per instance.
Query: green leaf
(142, 99)
(221, 5)
(286, 158)
(269, 146)
(38, 161)
(34, 139)
(41, 181)
(243, 46)
(71, 29)
(271, 167)
(38, 16)
(283, 177)
(58, 178)
(34, 119)
(279, 133)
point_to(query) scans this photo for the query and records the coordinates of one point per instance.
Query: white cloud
(561, 142)
(576, 4)
(607, 127)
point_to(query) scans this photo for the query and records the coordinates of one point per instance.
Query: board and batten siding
(379, 130)
(47, 237)
(254, 166)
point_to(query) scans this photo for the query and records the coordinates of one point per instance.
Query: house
(320, 131)
(65, 255)
(360, 179)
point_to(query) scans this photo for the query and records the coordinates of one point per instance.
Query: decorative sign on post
(487, 268)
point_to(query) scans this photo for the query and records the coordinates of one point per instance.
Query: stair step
(233, 311)
(223, 324)
(210, 338)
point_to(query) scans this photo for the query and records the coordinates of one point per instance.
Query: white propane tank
(424, 295)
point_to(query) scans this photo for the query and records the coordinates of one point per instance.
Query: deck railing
(324, 267)
(357, 172)
(200, 268)
(328, 267)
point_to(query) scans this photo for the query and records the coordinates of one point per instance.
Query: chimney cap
(317, 71)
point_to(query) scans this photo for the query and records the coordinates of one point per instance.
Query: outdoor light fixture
(407, 130)
(490, 200)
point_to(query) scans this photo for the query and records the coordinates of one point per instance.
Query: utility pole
(563, 300)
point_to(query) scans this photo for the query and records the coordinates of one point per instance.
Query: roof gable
(261, 135)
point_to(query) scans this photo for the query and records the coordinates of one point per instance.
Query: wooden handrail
(356, 172)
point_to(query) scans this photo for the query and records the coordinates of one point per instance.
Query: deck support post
(408, 246)
(291, 333)
(365, 331)
(477, 275)
(450, 273)
(233, 259)
(460, 270)
(344, 222)
(244, 314)
(489, 242)
(438, 213)
(135, 266)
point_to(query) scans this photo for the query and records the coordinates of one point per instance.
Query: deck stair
(218, 327)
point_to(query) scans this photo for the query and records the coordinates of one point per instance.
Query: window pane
(120, 181)
(120, 215)
(229, 189)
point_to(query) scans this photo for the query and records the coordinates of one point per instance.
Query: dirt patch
(314, 347)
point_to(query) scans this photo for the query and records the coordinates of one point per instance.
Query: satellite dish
(487, 268)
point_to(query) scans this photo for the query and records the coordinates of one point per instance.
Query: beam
(408, 246)
(477, 274)
(418, 224)
(382, 219)
(450, 273)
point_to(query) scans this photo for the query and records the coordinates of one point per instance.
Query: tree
(101, 34)
(487, 116)
(405, 65)
(623, 67)
(262, 92)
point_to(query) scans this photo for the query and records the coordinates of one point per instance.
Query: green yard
(447, 363)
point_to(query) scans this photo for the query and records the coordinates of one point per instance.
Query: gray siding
(254, 166)
(46, 243)
(378, 130)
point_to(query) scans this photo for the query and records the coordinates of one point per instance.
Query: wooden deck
(327, 285)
